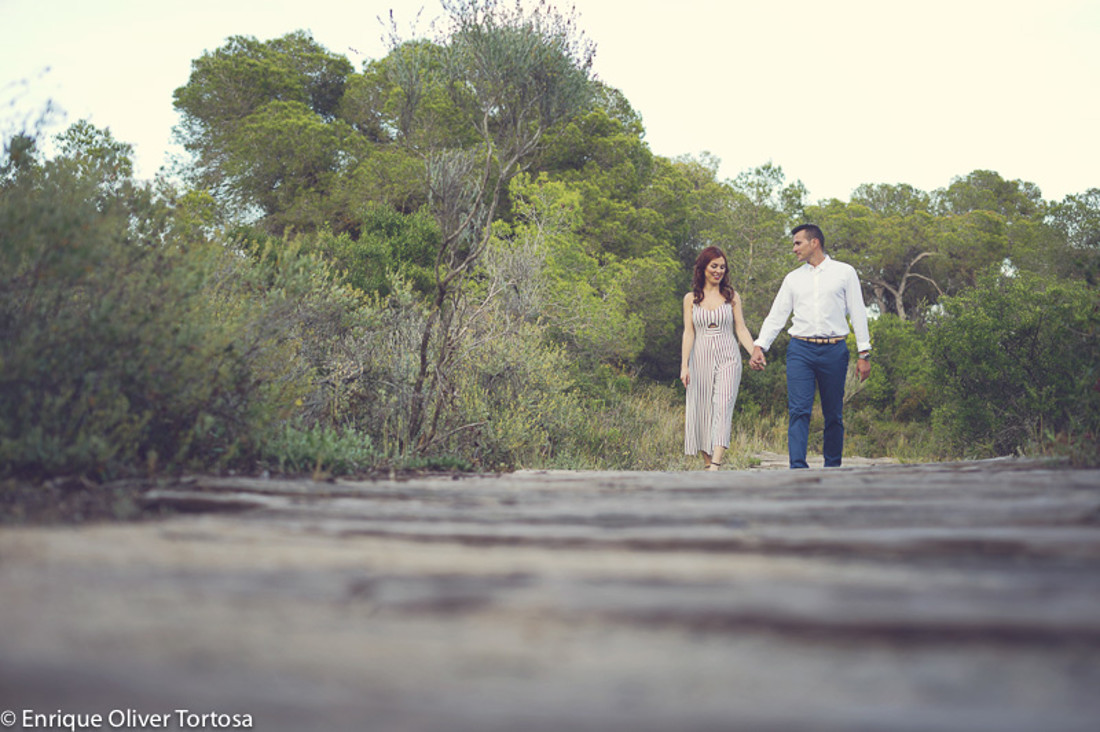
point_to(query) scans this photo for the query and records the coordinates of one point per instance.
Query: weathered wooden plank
(890, 597)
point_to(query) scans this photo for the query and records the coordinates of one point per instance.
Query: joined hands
(758, 361)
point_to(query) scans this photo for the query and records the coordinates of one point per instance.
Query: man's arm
(857, 311)
(769, 331)
(781, 309)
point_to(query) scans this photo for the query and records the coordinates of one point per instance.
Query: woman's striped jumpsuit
(715, 376)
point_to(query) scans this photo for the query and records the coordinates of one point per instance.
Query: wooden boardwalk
(956, 596)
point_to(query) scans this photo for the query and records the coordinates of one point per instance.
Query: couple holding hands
(821, 294)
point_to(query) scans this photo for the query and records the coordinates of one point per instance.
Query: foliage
(900, 385)
(1078, 218)
(513, 403)
(97, 156)
(986, 190)
(524, 71)
(583, 303)
(406, 98)
(285, 162)
(246, 102)
(892, 200)
(870, 434)
(908, 261)
(390, 244)
(119, 352)
(912, 248)
(135, 346)
(689, 201)
(1024, 219)
(759, 212)
(320, 450)
(516, 74)
(1077, 221)
(1015, 362)
(609, 165)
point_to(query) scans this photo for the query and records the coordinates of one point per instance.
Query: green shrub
(868, 435)
(1016, 361)
(900, 383)
(515, 395)
(445, 463)
(124, 349)
(291, 448)
(387, 243)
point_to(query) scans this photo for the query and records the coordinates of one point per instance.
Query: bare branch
(926, 279)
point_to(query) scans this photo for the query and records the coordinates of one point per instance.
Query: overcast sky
(838, 93)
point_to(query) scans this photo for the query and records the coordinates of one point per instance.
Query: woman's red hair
(699, 277)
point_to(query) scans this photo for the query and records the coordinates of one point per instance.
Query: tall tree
(986, 190)
(243, 104)
(515, 74)
(1032, 243)
(98, 155)
(886, 199)
(607, 161)
(907, 262)
(1077, 219)
(582, 300)
(759, 212)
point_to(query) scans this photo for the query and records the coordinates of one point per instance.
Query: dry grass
(658, 414)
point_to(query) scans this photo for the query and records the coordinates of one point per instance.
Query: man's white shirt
(821, 298)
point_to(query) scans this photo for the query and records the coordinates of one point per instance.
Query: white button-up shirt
(821, 298)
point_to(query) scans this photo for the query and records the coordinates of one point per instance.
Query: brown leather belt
(830, 341)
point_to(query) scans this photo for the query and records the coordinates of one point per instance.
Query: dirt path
(777, 461)
(879, 597)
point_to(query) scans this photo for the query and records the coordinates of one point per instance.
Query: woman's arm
(688, 340)
(743, 335)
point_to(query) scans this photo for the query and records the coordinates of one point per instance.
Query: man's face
(804, 246)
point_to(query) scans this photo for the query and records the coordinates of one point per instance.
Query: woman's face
(716, 269)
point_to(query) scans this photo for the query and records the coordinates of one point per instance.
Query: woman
(710, 362)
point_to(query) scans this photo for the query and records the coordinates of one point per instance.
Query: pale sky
(837, 93)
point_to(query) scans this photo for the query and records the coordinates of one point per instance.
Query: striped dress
(715, 370)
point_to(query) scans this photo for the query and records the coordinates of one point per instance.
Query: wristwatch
(865, 356)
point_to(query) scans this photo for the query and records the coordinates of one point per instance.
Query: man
(822, 294)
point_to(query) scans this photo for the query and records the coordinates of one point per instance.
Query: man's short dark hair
(812, 230)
